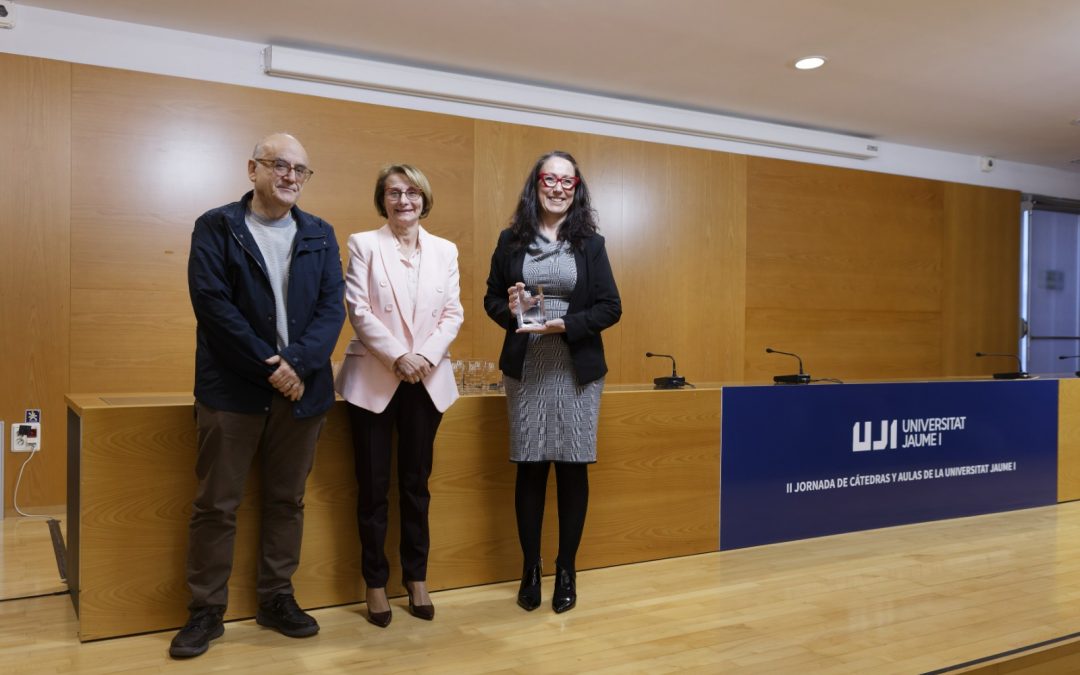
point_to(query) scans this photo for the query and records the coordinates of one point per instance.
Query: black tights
(572, 484)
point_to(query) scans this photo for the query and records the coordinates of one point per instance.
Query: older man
(266, 286)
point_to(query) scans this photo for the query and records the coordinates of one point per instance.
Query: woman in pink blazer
(402, 292)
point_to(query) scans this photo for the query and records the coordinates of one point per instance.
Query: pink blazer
(386, 325)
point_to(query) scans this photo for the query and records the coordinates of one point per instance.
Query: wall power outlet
(26, 437)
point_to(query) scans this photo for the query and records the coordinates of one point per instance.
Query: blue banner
(807, 461)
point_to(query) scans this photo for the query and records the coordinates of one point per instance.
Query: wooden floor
(901, 600)
(27, 560)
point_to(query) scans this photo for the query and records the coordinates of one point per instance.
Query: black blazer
(594, 306)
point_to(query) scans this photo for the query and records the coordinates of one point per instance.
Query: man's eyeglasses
(282, 168)
(568, 183)
(411, 195)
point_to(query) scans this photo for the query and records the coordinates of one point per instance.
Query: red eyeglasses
(568, 183)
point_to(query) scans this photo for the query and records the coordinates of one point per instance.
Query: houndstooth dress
(551, 417)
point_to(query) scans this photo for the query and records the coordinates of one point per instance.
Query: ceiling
(999, 78)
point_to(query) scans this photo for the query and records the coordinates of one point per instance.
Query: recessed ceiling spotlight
(810, 62)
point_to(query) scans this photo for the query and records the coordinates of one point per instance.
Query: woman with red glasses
(553, 365)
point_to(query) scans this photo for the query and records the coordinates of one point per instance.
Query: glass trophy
(530, 310)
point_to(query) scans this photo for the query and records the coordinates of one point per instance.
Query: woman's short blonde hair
(414, 176)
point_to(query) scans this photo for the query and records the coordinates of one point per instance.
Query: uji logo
(862, 441)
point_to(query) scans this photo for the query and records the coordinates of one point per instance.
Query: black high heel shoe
(529, 593)
(380, 619)
(425, 612)
(565, 596)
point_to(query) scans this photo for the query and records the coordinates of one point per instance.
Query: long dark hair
(580, 222)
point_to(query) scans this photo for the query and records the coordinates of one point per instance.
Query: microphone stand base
(1012, 376)
(801, 378)
(675, 382)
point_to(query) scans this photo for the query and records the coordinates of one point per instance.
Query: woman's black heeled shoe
(529, 592)
(425, 612)
(380, 619)
(565, 596)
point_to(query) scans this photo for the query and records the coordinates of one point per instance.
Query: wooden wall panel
(168, 149)
(728, 254)
(844, 268)
(132, 339)
(35, 122)
(1068, 440)
(683, 257)
(717, 255)
(822, 237)
(980, 279)
(844, 344)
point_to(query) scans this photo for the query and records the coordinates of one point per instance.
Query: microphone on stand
(1015, 375)
(674, 382)
(800, 378)
(1076, 356)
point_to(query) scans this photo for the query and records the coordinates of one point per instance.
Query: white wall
(78, 39)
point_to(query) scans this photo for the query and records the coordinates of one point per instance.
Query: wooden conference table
(654, 493)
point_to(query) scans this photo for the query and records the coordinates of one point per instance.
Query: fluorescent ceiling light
(377, 76)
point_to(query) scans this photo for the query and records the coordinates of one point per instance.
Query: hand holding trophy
(530, 306)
